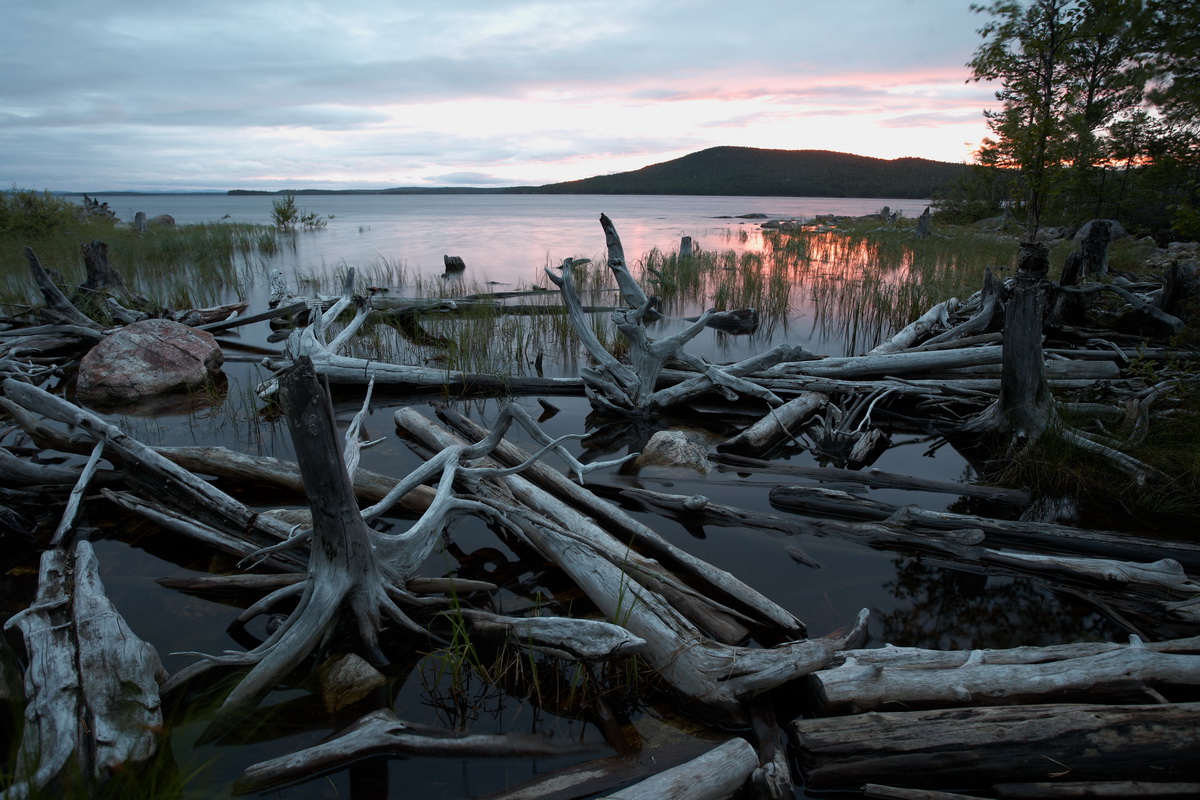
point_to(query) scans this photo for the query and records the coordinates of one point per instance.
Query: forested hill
(779, 173)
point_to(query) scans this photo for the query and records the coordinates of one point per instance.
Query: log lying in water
(1038, 536)
(715, 775)
(1117, 674)
(971, 749)
(1118, 790)
(873, 478)
(715, 583)
(638, 594)
(778, 426)
(91, 684)
(311, 342)
(383, 733)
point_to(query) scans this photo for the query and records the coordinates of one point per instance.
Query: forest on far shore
(744, 172)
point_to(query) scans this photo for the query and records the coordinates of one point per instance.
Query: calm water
(914, 601)
(501, 238)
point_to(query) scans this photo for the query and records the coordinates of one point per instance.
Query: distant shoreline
(716, 172)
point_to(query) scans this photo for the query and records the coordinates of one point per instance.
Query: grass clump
(288, 216)
(174, 267)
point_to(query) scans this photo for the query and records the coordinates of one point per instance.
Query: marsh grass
(465, 680)
(864, 284)
(189, 266)
(721, 279)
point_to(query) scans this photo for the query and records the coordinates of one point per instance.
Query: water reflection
(944, 608)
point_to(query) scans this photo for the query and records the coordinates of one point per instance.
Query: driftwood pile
(1005, 368)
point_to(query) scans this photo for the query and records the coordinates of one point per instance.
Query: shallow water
(913, 600)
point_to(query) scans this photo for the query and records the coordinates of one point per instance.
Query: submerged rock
(675, 449)
(346, 679)
(148, 358)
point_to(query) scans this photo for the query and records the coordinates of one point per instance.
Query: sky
(105, 95)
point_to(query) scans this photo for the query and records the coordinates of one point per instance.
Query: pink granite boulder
(148, 358)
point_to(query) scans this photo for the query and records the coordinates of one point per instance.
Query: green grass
(189, 266)
(864, 284)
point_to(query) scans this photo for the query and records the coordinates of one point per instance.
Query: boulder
(148, 358)
(163, 221)
(1116, 230)
(1051, 234)
(346, 679)
(674, 449)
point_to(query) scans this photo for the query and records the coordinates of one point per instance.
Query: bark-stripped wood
(383, 733)
(1116, 675)
(715, 677)
(715, 775)
(91, 684)
(971, 749)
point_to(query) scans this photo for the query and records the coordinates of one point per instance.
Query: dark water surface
(913, 601)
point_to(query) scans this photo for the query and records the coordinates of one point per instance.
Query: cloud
(140, 94)
(466, 179)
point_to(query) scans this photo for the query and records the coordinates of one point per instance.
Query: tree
(1025, 48)
(1092, 85)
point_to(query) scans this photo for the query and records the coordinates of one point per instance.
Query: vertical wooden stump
(1025, 400)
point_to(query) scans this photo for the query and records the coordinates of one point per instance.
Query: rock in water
(147, 358)
(674, 449)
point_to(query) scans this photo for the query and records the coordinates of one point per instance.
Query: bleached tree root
(91, 683)
(716, 678)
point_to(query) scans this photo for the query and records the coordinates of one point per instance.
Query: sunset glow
(477, 94)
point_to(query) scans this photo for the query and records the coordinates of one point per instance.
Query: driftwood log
(1124, 672)
(636, 593)
(971, 749)
(91, 686)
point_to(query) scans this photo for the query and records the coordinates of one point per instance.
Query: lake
(505, 242)
(503, 238)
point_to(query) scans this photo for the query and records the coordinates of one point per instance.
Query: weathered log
(344, 572)
(310, 342)
(876, 479)
(91, 684)
(1162, 583)
(772, 778)
(1164, 322)
(971, 749)
(1126, 672)
(714, 676)
(1029, 535)
(562, 637)
(924, 227)
(220, 462)
(631, 290)
(714, 582)
(1120, 790)
(165, 480)
(900, 793)
(22, 472)
(383, 733)
(240, 320)
(936, 318)
(779, 425)
(697, 509)
(101, 277)
(923, 658)
(1024, 408)
(599, 777)
(245, 547)
(58, 310)
(715, 775)
(1094, 248)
